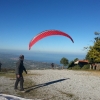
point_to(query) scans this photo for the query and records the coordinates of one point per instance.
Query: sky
(21, 20)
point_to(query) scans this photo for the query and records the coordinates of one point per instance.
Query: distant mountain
(9, 61)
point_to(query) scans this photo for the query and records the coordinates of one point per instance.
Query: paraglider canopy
(48, 33)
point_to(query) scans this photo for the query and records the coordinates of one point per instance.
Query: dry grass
(94, 72)
(27, 84)
(67, 94)
(91, 72)
(35, 92)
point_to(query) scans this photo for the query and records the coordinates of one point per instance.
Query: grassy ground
(7, 84)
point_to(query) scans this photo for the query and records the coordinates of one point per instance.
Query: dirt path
(56, 85)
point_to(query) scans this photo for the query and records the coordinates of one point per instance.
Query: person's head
(21, 57)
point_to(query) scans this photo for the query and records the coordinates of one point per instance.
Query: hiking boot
(21, 89)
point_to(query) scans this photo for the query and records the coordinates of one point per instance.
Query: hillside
(9, 61)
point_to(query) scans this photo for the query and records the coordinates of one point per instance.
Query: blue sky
(21, 20)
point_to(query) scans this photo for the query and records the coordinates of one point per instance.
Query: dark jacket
(0, 64)
(20, 67)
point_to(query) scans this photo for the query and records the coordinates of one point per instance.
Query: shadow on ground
(28, 89)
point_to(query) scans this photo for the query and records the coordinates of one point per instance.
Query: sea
(53, 57)
(48, 57)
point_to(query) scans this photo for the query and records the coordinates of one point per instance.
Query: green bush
(69, 68)
(86, 66)
(76, 67)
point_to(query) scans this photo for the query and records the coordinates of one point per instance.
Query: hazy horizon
(44, 56)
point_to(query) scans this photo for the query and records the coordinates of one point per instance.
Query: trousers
(21, 80)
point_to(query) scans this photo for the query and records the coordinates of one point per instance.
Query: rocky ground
(55, 85)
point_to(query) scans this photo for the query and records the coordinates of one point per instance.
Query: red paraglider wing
(45, 34)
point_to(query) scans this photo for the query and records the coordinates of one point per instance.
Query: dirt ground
(54, 85)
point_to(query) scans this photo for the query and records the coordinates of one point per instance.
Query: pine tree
(93, 54)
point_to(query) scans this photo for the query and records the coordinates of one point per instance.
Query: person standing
(18, 71)
(52, 65)
(0, 66)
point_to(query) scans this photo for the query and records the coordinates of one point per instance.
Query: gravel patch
(67, 85)
(57, 85)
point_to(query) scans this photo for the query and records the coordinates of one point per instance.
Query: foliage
(71, 64)
(87, 66)
(76, 67)
(64, 61)
(76, 59)
(93, 54)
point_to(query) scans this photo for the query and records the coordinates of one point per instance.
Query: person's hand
(18, 76)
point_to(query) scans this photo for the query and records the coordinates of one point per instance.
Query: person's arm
(24, 69)
(0, 63)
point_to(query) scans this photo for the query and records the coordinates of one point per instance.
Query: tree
(93, 54)
(71, 64)
(64, 61)
(98, 37)
(76, 59)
